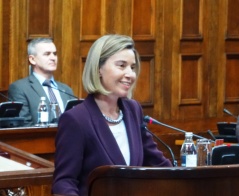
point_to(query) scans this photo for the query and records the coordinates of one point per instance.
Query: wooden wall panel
(232, 79)
(4, 44)
(145, 86)
(1, 46)
(18, 64)
(191, 19)
(1, 40)
(187, 81)
(118, 17)
(39, 18)
(143, 27)
(143, 32)
(233, 20)
(189, 50)
(91, 19)
(231, 96)
(66, 36)
(190, 87)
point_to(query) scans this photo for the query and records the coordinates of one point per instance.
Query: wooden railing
(34, 140)
(34, 182)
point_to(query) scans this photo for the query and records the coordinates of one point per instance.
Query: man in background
(42, 55)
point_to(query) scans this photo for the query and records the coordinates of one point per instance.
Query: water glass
(54, 113)
(204, 149)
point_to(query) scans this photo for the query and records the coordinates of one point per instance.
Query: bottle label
(183, 160)
(43, 116)
(191, 160)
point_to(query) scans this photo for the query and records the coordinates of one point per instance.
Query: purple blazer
(84, 142)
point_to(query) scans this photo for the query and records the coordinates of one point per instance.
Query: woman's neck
(107, 105)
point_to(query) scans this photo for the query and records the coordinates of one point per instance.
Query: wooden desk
(156, 181)
(34, 140)
(35, 182)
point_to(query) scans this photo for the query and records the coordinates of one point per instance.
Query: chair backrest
(225, 154)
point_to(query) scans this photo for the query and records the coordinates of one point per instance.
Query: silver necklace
(117, 121)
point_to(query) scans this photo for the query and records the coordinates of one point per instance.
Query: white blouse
(120, 134)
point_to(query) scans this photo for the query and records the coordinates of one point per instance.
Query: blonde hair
(100, 51)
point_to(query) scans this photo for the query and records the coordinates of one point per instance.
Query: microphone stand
(211, 134)
(151, 120)
(237, 125)
(49, 86)
(174, 161)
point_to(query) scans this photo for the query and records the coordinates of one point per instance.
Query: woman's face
(118, 73)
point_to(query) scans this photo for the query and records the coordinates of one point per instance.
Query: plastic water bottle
(43, 114)
(188, 151)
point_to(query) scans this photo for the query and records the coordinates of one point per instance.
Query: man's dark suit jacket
(28, 91)
(84, 141)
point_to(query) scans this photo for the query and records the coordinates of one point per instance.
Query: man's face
(45, 59)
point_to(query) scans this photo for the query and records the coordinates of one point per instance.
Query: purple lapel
(107, 139)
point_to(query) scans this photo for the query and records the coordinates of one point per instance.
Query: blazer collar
(36, 86)
(106, 137)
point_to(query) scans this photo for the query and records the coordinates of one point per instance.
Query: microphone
(211, 134)
(49, 86)
(174, 161)
(229, 113)
(150, 120)
(237, 125)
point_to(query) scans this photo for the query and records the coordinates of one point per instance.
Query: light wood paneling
(143, 28)
(39, 18)
(92, 19)
(189, 49)
(231, 96)
(4, 42)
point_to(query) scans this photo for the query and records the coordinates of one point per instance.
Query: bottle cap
(189, 134)
(43, 98)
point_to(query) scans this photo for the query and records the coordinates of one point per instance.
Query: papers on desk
(10, 165)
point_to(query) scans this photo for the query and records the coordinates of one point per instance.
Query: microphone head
(150, 120)
(228, 112)
(147, 119)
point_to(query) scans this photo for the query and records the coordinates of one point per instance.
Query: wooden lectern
(35, 181)
(157, 181)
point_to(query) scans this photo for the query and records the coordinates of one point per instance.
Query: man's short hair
(31, 49)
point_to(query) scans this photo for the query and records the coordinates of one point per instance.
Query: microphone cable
(174, 161)
(5, 97)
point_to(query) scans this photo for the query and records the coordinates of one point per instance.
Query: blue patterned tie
(51, 93)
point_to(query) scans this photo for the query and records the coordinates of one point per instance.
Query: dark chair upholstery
(225, 154)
